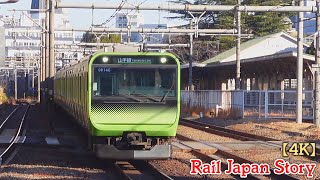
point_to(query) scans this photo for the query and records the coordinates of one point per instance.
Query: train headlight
(105, 59)
(163, 60)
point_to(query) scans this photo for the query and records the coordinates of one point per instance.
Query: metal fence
(212, 99)
(255, 104)
(276, 104)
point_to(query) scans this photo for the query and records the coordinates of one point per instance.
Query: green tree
(259, 24)
(311, 50)
(88, 37)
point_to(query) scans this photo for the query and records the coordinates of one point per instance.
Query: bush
(229, 113)
(3, 96)
(224, 114)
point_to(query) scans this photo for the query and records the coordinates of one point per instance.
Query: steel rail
(120, 172)
(150, 168)
(224, 131)
(140, 166)
(8, 117)
(13, 142)
(229, 155)
(209, 128)
(229, 132)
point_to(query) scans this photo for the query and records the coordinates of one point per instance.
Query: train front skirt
(110, 152)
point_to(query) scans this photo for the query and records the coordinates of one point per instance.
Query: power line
(195, 8)
(123, 2)
(128, 12)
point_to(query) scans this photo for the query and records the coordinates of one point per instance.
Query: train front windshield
(130, 81)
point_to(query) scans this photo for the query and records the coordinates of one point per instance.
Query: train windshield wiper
(131, 98)
(148, 97)
(166, 94)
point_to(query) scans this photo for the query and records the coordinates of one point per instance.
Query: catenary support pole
(238, 48)
(43, 54)
(32, 83)
(300, 66)
(317, 72)
(15, 84)
(39, 82)
(52, 69)
(190, 62)
(47, 45)
(42, 65)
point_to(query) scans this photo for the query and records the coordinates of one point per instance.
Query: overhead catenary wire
(123, 2)
(128, 12)
(195, 8)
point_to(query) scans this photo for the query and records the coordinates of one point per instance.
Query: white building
(123, 19)
(20, 40)
(23, 38)
(2, 45)
(135, 20)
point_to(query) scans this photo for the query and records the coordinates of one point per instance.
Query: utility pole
(238, 48)
(317, 72)
(52, 68)
(300, 66)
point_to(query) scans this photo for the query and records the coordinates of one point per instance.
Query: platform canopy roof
(270, 47)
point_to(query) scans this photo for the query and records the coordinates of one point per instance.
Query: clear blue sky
(81, 18)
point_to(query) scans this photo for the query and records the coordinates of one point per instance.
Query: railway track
(130, 170)
(221, 154)
(209, 128)
(224, 131)
(12, 129)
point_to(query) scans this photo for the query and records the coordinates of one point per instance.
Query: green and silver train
(129, 103)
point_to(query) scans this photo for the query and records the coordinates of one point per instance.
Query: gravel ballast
(179, 167)
(202, 136)
(275, 129)
(47, 163)
(284, 130)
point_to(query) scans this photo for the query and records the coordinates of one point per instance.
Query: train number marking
(102, 70)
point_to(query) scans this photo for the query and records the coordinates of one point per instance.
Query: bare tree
(203, 48)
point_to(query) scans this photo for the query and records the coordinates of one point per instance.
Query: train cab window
(134, 83)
